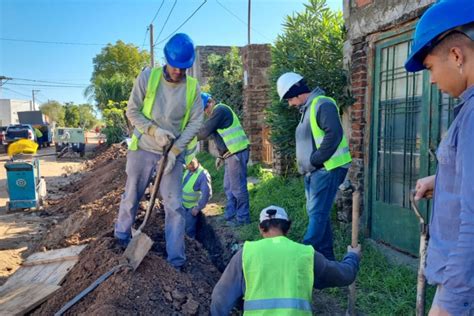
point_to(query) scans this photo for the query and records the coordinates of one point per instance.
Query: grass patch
(382, 288)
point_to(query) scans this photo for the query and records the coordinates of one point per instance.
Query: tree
(115, 69)
(225, 80)
(54, 111)
(87, 118)
(312, 45)
(71, 115)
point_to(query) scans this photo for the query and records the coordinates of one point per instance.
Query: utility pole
(3, 80)
(152, 50)
(32, 108)
(248, 28)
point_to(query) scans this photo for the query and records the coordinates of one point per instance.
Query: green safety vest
(278, 276)
(153, 83)
(234, 136)
(191, 197)
(342, 155)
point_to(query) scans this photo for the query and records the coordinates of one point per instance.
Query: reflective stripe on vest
(191, 197)
(148, 102)
(234, 136)
(342, 155)
(278, 276)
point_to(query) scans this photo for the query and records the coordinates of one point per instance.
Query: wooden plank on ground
(70, 253)
(20, 299)
(48, 267)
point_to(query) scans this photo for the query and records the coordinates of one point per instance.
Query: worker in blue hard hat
(444, 45)
(165, 109)
(223, 125)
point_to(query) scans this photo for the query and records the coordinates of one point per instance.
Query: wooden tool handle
(355, 218)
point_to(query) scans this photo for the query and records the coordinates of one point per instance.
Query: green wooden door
(409, 118)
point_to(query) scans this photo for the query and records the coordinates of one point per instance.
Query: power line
(48, 42)
(144, 40)
(185, 21)
(44, 81)
(46, 85)
(243, 22)
(166, 21)
(19, 93)
(157, 11)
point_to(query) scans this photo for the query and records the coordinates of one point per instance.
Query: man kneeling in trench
(276, 274)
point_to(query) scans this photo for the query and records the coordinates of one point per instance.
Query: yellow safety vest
(278, 276)
(233, 136)
(342, 155)
(191, 197)
(153, 83)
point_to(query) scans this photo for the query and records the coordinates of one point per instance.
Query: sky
(49, 43)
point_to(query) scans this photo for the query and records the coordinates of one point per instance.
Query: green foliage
(115, 69)
(225, 81)
(116, 127)
(312, 45)
(54, 110)
(79, 115)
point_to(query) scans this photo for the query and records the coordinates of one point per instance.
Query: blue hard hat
(179, 51)
(438, 19)
(205, 98)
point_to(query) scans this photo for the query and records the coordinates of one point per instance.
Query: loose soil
(84, 213)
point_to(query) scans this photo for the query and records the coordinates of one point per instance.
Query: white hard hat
(286, 81)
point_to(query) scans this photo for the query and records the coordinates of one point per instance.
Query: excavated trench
(89, 209)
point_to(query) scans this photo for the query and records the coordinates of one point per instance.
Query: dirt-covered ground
(83, 212)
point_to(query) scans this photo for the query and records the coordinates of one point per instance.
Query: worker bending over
(233, 146)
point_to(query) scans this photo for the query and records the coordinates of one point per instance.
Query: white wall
(9, 109)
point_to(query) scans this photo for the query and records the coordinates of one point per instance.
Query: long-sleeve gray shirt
(308, 157)
(203, 184)
(450, 260)
(231, 286)
(168, 111)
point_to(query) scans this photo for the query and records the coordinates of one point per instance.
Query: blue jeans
(191, 222)
(320, 189)
(140, 166)
(235, 187)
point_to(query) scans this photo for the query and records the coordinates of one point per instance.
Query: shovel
(424, 237)
(138, 247)
(351, 299)
(141, 243)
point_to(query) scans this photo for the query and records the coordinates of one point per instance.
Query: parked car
(15, 132)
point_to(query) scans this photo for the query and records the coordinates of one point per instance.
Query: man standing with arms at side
(444, 45)
(197, 190)
(322, 155)
(233, 146)
(165, 105)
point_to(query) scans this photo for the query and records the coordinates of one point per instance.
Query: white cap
(273, 212)
(286, 81)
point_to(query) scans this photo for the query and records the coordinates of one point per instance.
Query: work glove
(219, 162)
(170, 163)
(356, 250)
(162, 136)
(195, 211)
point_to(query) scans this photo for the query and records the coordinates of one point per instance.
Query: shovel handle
(156, 184)
(351, 310)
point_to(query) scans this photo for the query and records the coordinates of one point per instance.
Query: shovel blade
(137, 249)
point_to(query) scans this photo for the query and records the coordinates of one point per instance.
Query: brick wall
(256, 59)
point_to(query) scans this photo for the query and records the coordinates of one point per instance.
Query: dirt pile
(155, 287)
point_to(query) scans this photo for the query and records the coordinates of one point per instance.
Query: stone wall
(256, 59)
